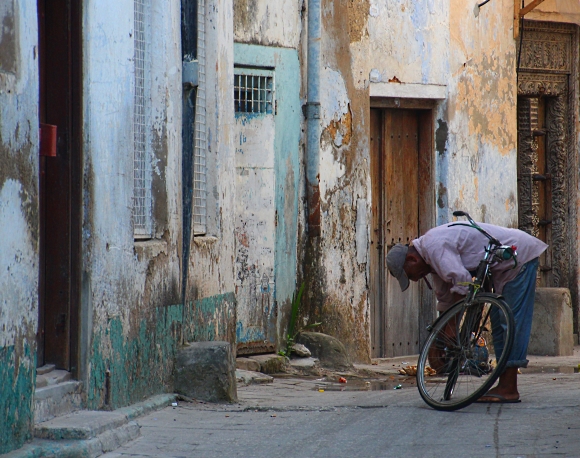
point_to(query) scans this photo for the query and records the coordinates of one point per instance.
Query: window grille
(141, 162)
(200, 143)
(253, 91)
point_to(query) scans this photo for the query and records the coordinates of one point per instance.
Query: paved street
(292, 417)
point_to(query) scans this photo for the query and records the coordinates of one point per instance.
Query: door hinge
(544, 177)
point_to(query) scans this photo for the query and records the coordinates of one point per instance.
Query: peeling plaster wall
(402, 44)
(211, 268)
(284, 164)
(129, 287)
(340, 301)
(268, 34)
(18, 220)
(268, 23)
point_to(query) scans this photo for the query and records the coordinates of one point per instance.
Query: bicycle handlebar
(473, 224)
(492, 239)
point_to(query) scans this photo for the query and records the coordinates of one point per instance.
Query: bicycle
(456, 366)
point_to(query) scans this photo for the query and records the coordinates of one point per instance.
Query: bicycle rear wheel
(459, 354)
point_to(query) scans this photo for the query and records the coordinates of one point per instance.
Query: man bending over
(450, 254)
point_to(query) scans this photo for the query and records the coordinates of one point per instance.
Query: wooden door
(59, 182)
(402, 200)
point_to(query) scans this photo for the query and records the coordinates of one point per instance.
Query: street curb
(100, 442)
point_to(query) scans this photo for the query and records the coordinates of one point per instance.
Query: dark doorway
(402, 206)
(59, 25)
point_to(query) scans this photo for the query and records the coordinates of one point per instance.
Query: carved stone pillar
(557, 126)
(545, 70)
(527, 190)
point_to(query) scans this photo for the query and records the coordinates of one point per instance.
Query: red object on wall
(47, 140)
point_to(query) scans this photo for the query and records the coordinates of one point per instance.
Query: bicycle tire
(462, 374)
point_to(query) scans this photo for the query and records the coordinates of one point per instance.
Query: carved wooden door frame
(549, 68)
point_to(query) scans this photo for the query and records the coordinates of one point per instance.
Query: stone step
(83, 424)
(89, 433)
(305, 366)
(251, 377)
(51, 377)
(268, 363)
(44, 369)
(57, 399)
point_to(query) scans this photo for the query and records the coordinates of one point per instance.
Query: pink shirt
(454, 251)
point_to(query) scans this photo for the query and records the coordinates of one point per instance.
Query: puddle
(367, 385)
(550, 370)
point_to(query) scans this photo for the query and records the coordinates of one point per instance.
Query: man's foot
(497, 399)
(506, 390)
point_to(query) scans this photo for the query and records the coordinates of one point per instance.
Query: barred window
(253, 91)
(142, 219)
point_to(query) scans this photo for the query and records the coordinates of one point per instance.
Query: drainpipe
(313, 118)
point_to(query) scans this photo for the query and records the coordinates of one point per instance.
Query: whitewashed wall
(212, 257)
(19, 211)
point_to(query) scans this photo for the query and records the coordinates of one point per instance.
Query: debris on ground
(341, 380)
(412, 370)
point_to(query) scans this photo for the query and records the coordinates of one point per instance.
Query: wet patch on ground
(390, 383)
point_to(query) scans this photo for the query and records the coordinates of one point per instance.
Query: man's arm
(445, 297)
(445, 260)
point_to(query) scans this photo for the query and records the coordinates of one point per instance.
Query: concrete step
(89, 433)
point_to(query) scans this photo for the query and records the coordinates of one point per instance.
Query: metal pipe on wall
(313, 118)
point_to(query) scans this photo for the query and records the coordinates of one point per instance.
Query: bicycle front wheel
(458, 364)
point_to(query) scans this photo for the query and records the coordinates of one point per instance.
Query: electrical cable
(483, 3)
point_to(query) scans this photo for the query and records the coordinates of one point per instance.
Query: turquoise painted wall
(18, 377)
(286, 67)
(128, 365)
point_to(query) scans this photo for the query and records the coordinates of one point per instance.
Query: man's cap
(395, 261)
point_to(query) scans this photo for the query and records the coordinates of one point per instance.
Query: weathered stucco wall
(409, 47)
(211, 266)
(336, 269)
(477, 159)
(556, 11)
(18, 220)
(406, 40)
(129, 286)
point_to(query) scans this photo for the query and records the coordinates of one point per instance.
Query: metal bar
(189, 73)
